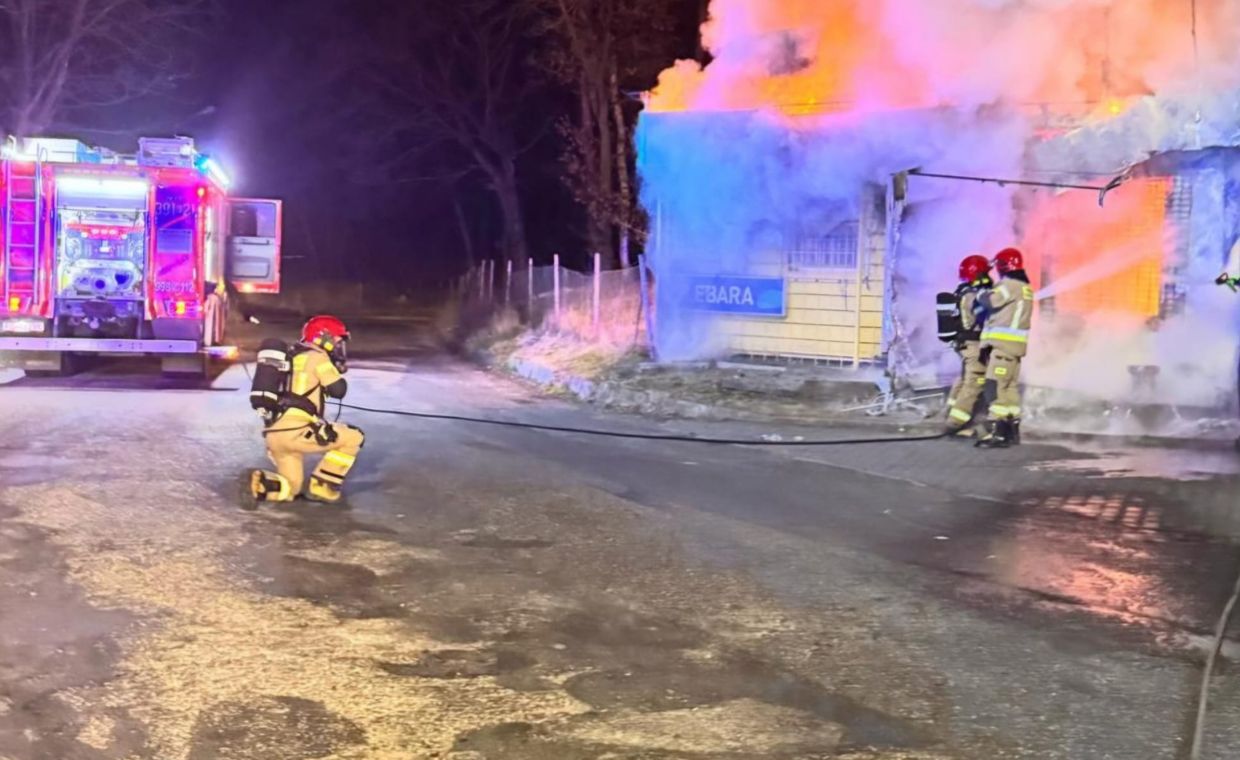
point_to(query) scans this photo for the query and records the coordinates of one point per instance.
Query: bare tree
(59, 57)
(605, 48)
(454, 93)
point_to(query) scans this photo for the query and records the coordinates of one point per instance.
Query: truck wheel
(187, 365)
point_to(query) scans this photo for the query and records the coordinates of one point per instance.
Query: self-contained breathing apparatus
(271, 379)
(951, 322)
(974, 278)
(271, 394)
(951, 318)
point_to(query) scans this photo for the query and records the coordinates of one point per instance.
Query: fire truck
(104, 253)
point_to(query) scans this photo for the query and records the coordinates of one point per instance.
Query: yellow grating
(1113, 257)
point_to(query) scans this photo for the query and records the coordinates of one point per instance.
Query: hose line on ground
(340, 405)
(638, 436)
(1199, 724)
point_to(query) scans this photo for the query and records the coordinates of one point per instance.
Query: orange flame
(803, 56)
(1113, 257)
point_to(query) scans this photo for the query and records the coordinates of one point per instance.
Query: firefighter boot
(970, 432)
(258, 486)
(998, 435)
(960, 433)
(322, 491)
(1014, 428)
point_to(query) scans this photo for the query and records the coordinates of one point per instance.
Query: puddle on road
(1130, 517)
(1085, 574)
(1172, 464)
(1111, 555)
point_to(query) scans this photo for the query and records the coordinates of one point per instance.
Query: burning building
(816, 184)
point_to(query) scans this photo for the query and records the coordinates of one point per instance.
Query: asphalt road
(502, 593)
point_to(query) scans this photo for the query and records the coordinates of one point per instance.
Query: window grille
(834, 250)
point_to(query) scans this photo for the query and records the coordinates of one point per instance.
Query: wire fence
(606, 308)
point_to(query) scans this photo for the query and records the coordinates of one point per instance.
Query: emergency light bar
(108, 188)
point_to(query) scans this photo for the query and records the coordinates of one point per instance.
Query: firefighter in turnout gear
(310, 373)
(1008, 313)
(965, 394)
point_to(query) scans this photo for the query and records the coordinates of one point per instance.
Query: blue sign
(756, 296)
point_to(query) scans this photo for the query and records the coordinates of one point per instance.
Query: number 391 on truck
(103, 253)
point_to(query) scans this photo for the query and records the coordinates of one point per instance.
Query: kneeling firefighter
(1008, 313)
(290, 391)
(961, 326)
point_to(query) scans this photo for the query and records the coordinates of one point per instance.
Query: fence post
(645, 293)
(555, 263)
(598, 291)
(508, 284)
(529, 287)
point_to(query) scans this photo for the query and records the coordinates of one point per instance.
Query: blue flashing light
(210, 167)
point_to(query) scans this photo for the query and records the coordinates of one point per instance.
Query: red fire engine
(106, 253)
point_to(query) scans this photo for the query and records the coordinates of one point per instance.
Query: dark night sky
(279, 135)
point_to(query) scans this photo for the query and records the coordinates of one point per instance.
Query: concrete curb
(552, 379)
(663, 404)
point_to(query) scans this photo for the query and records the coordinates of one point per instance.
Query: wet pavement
(504, 593)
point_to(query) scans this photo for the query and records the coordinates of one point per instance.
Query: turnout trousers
(964, 395)
(287, 447)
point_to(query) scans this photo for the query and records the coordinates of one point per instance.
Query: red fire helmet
(1009, 260)
(324, 331)
(973, 267)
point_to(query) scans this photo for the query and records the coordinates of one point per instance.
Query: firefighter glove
(325, 434)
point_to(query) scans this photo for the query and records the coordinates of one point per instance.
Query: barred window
(835, 250)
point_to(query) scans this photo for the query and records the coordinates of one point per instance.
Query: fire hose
(638, 436)
(1203, 700)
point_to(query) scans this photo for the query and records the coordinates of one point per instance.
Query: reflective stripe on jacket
(1010, 307)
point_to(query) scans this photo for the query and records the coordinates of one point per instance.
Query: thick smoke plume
(807, 100)
(864, 54)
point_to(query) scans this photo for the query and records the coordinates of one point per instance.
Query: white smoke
(959, 87)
